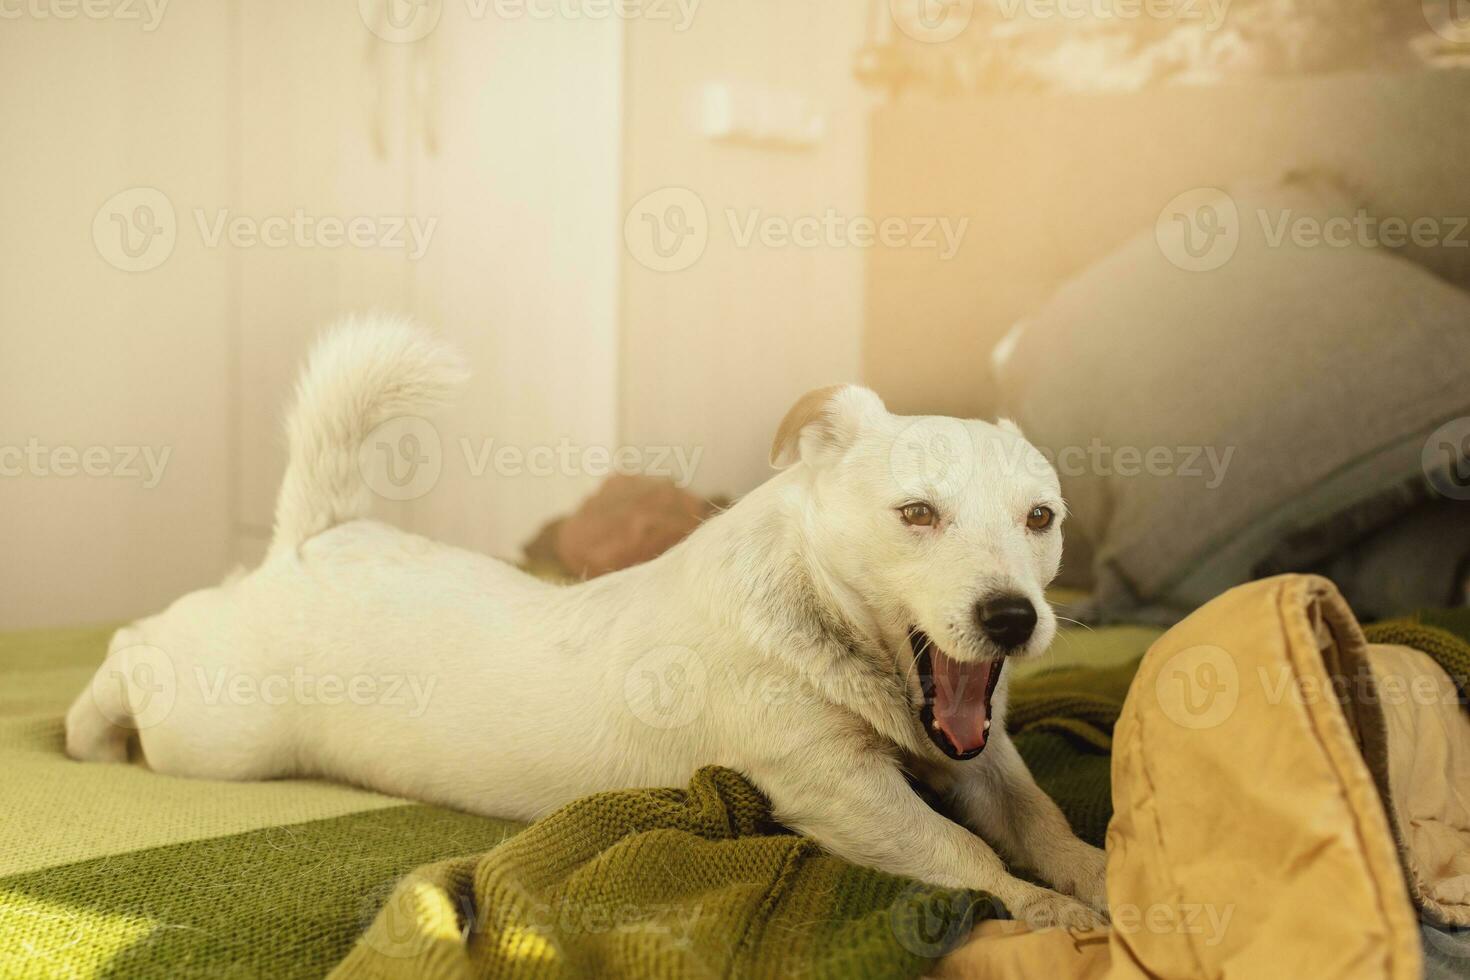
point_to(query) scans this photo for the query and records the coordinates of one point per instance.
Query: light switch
(757, 115)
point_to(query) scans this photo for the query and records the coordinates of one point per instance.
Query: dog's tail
(361, 374)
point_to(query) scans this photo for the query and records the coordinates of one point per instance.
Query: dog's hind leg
(97, 728)
(100, 723)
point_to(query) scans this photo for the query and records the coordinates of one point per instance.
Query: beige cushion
(1320, 371)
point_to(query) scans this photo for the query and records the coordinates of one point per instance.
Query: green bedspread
(114, 871)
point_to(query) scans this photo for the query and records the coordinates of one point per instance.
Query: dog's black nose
(1007, 620)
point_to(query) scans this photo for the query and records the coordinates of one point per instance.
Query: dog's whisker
(914, 660)
(1078, 622)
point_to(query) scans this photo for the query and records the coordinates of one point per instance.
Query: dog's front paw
(1085, 875)
(1042, 908)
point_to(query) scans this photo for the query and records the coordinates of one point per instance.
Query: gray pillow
(1200, 417)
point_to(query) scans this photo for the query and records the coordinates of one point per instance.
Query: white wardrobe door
(519, 122)
(113, 311)
(323, 147)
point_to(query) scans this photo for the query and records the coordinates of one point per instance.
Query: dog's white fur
(787, 615)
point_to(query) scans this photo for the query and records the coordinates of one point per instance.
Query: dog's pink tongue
(960, 710)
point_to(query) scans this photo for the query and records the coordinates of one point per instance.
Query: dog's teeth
(987, 724)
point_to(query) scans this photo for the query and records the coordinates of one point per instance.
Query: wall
(523, 274)
(713, 354)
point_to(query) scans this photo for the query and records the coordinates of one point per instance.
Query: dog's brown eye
(917, 515)
(1040, 518)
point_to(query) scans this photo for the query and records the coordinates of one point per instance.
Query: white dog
(844, 624)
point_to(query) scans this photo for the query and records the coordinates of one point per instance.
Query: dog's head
(946, 531)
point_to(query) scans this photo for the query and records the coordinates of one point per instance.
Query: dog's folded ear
(823, 423)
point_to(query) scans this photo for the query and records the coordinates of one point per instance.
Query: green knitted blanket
(679, 883)
(1444, 634)
(702, 882)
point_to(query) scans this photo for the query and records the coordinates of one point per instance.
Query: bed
(116, 871)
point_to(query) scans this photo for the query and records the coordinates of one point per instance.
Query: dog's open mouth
(956, 697)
